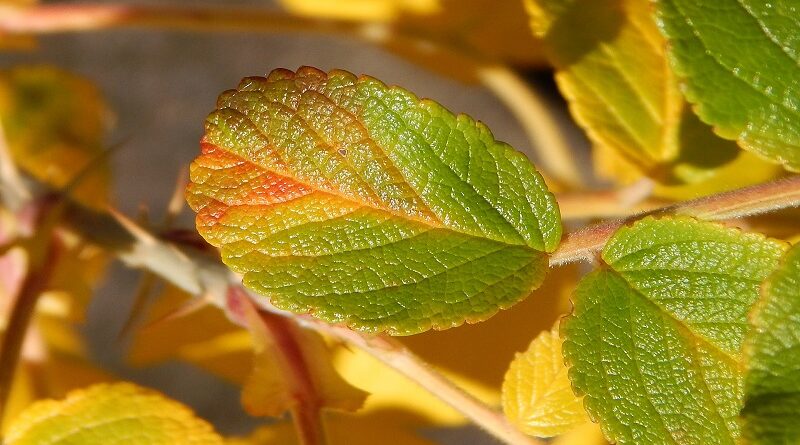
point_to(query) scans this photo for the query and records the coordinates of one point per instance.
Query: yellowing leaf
(54, 122)
(308, 177)
(372, 10)
(204, 337)
(612, 68)
(537, 395)
(463, 34)
(342, 429)
(118, 414)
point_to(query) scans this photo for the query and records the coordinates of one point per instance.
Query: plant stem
(398, 357)
(307, 412)
(203, 275)
(783, 193)
(41, 262)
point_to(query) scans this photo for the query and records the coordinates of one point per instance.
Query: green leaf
(612, 68)
(117, 414)
(655, 338)
(772, 384)
(362, 204)
(739, 59)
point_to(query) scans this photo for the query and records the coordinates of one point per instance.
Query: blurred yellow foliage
(110, 414)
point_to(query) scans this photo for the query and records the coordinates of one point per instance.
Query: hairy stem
(398, 357)
(204, 275)
(306, 414)
(783, 193)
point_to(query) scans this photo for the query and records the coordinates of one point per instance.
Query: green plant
(339, 210)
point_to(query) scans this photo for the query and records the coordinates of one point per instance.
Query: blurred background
(161, 83)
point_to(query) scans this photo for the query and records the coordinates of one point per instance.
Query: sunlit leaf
(537, 395)
(655, 338)
(54, 122)
(104, 414)
(612, 69)
(772, 384)
(739, 60)
(310, 177)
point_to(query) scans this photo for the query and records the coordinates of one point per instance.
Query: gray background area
(160, 86)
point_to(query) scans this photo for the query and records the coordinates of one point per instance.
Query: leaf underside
(655, 338)
(772, 385)
(362, 204)
(739, 59)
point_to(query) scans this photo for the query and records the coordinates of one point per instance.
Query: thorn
(133, 229)
(140, 300)
(176, 201)
(188, 308)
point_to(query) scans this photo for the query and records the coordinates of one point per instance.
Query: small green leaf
(772, 384)
(362, 204)
(740, 62)
(115, 414)
(655, 338)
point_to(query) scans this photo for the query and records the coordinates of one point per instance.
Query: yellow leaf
(105, 414)
(612, 68)
(54, 123)
(204, 337)
(367, 10)
(462, 31)
(341, 429)
(537, 395)
(292, 369)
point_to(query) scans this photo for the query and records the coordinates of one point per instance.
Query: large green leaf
(772, 385)
(654, 341)
(740, 62)
(360, 203)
